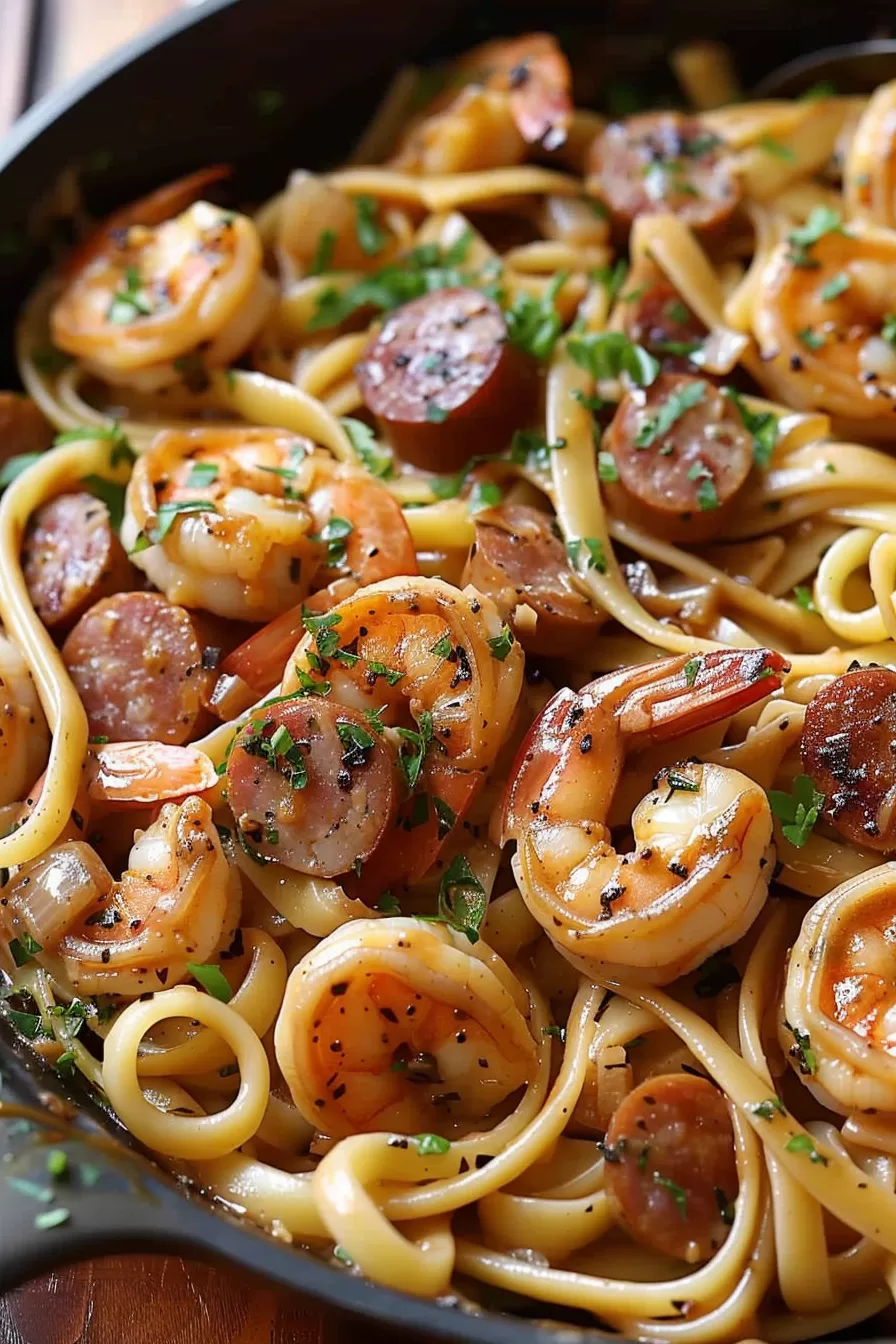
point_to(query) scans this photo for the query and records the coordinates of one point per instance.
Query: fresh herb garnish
(529, 448)
(24, 949)
(611, 277)
(691, 668)
(501, 645)
(802, 595)
(837, 285)
(607, 469)
(15, 465)
(763, 425)
(371, 236)
(387, 904)
(812, 340)
(888, 328)
(680, 1196)
(799, 810)
(609, 354)
(716, 974)
(429, 1144)
(323, 252)
(774, 147)
(166, 514)
(462, 898)
(372, 454)
(357, 744)
(707, 496)
(130, 300)
(533, 325)
(202, 474)
(413, 752)
(110, 493)
(586, 553)
(766, 1109)
(822, 221)
(670, 412)
(334, 532)
(484, 495)
(804, 1143)
(213, 981)
(802, 1050)
(446, 817)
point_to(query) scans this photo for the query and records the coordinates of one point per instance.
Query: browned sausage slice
(849, 750)
(312, 785)
(443, 380)
(682, 452)
(517, 559)
(71, 558)
(652, 313)
(23, 428)
(662, 162)
(670, 1165)
(137, 663)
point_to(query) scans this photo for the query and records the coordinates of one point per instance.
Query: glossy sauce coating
(682, 452)
(71, 558)
(518, 559)
(849, 750)
(670, 1165)
(662, 162)
(312, 785)
(137, 663)
(652, 313)
(23, 428)
(443, 380)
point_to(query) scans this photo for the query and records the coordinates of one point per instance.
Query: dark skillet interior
(269, 85)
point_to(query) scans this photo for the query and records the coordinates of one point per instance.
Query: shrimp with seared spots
(394, 706)
(500, 98)
(164, 280)
(698, 875)
(24, 735)
(398, 1024)
(245, 523)
(839, 1021)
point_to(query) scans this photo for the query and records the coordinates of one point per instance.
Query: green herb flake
(340, 1253)
(323, 253)
(707, 496)
(763, 425)
(803, 597)
(802, 1050)
(610, 354)
(812, 340)
(387, 904)
(727, 1207)
(501, 645)
(357, 744)
(679, 783)
(30, 1189)
(130, 300)
(804, 1143)
(442, 647)
(484, 495)
(436, 415)
(822, 88)
(888, 328)
(447, 817)
(202, 474)
(371, 454)
(607, 469)
(529, 448)
(766, 1109)
(533, 325)
(676, 405)
(57, 1163)
(822, 221)
(213, 981)
(799, 810)
(691, 669)
(24, 949)
(371, 235)
(462, 898)
(837, 285)
(29, 1024)
(776, 149)
(558, 1032)
(612, 278)
(14, 466)
(586, 553)
(430, 1144)
(413, 750)
(679, 1195)
(109, 493)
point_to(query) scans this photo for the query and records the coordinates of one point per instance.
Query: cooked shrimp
(172, 905)
(320, 224)
(869, 175)
(245, 522)
(417, 656)
(699, 873)
(24, 735)
(514, 94)
(839, 1015)
(821, 307)
(397, 1024)
(149, 291)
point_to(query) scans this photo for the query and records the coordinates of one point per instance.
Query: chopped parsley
(413, 750)
(678, 1194)
(321, 627)
(462, 898)
(533, 325)
(707, 496)
(50, 1218)
(15, 465)
(679, 783)
(130, 300)
(436, 415)
(586, 553)
(802, 1050)
(609, 354)
(166, 514)
(442, 647)
(371, 453)
(529, 448)
(766, 1109)
(691, 668)
(484, 495)
(804, 1143)
(799, 810)
(279, 749)
(202, 474)
(334, 533)
(501, 645)
(775, 148)
(110, 493)
(763, 425)
(803, 597)
(727, 1207)
(24, 949)
(812, 340)
(837, 285)
(340, 1253)
(446, 817)
(323, 253)
(718, 972)
(213, 981)
(670, 412)
(822, 221)
(888, 329)
(607, 469)
(371, 236)
(357, 743)
(389, 674)
(430, 1144)
(122, 452)
(559, 1032)
(612, 278)
(387, 904)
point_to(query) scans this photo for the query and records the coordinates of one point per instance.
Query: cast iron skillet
(267, 85)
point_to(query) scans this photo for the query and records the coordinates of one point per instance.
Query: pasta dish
(448, 696)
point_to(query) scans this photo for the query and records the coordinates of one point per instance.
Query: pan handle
(68, 1192)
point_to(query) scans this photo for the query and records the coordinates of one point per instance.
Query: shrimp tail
(699, 691)
(133, 774)
(155, 208)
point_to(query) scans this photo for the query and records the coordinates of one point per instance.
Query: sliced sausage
(682, 452)
(652, 313)
(849, 751)
(312, 785)
(443, 380)
(518, 559)
(662, 162)
(670, 1165)
(139, 664)
(23, 428)
(71, 558)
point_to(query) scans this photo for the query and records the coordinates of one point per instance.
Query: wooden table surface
(132, 1299)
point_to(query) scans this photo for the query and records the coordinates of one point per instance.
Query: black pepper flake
(483, 1160)
(585, 744)
(211, 657)
(339, 989)
(678, 869)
